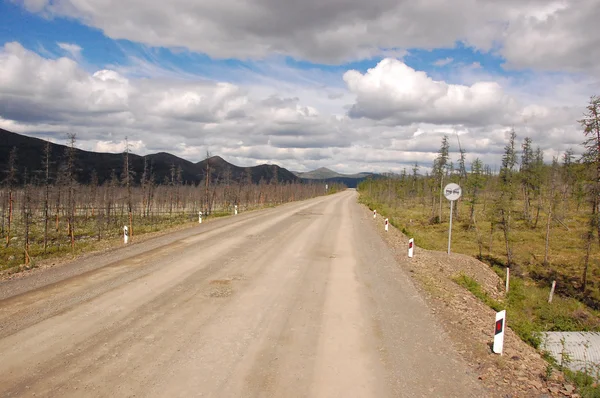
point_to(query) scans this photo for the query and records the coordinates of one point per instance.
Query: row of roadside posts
(126, 228)
(453, 192)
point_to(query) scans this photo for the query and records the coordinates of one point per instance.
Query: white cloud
(120, 146)
(397, 115)
(537, 33)
(72, 49)
(559, 36)
(395, 93)
(443, 61)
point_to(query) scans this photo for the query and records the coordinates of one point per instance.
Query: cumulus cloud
(397, 115)
(531, 32)
(36, 91)
(36, 88)
(395, 93)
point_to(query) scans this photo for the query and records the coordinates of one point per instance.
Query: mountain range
(325, 174)
(30, 158)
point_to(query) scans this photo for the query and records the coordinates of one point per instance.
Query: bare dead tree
(71, 181)
(47, 154)
(552, 203)
(144, 185)
(26, 208)
(127, 177)
(10, 181)
(207, 177)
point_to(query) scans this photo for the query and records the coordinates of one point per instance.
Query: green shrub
(473, 286)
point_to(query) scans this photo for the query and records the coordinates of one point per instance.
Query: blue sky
(41, 35)
(240, 86)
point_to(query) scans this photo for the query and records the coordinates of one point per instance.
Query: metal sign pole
(450, 230)
(452, 192)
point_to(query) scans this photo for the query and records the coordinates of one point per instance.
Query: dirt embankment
(520, 371)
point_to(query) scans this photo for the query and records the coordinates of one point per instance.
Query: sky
(345, 84)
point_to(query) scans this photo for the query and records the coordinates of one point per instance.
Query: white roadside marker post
(452, 192)
(507, 279)
(386, 225)
(374, 213)
(235, 210)
(499, 332)
(552, 291)
(411, 245)
(125, 234)
(199, 217)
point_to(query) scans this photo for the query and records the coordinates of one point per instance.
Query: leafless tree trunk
(26, 216)
(551, 206)
(70, 155)
(127, 178)
(47, 151)
(10, 181)
(588, 246)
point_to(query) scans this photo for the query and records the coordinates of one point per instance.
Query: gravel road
(303, 300)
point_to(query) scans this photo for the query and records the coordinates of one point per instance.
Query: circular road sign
(452, 191)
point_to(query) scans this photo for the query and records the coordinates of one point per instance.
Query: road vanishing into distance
(302, 300)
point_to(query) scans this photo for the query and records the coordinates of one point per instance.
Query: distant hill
(318, 174)
(329, 176)
(324, 173)
(30, 155)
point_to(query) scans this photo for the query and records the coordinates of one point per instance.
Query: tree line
(527, 192)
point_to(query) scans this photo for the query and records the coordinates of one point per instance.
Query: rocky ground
(520, 371)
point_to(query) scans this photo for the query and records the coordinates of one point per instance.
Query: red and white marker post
(374, 213)
(199, 217)
(125, 234)
(387, 224)
(411, 247)
(499, 332)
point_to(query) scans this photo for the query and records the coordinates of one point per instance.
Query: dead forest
(46, 213)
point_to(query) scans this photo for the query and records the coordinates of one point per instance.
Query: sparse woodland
(538, 216)
(47, 212)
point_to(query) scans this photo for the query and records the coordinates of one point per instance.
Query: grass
(87, 237)
(92, 234)
(474, 287)
(566, 252)
(529, 312)
(586, 382)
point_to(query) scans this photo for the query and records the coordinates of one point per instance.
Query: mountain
(329, 176)
(30, 157)
(264, 172)
(318, 174)
(324, 173)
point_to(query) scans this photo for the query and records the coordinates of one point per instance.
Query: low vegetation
(538, 218)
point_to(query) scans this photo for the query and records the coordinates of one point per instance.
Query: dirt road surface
(303, 300)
